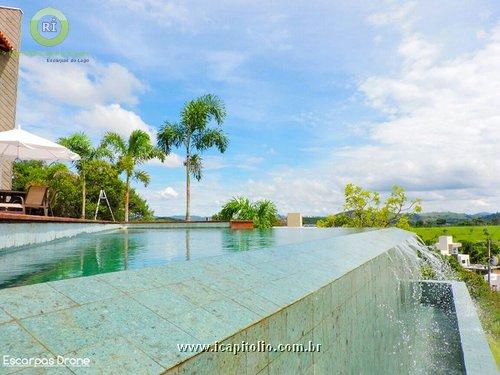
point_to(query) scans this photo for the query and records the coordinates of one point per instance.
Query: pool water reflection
(123, 249)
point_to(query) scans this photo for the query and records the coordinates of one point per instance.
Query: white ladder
(102, 195)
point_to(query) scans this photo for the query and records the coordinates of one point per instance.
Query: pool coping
(17, 234)
(476, 353)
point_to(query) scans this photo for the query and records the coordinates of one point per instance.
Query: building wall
(10, 25)
(294, 220)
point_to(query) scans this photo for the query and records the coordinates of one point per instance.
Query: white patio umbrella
(20, 144)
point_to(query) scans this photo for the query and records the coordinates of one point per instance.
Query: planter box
(241, 224)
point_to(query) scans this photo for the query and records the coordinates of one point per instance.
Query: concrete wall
(294, 219)
(10, 25)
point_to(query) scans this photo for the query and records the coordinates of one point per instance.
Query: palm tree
(81, 144)
(128, 154)
(194, 135)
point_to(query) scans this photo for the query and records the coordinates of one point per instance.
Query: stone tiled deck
(132, 321)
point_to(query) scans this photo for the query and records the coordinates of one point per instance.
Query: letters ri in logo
(49, 27)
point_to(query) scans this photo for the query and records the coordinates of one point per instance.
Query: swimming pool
(132, 248)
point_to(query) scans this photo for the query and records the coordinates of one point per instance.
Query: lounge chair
(36, 199)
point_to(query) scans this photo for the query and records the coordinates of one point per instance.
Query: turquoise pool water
(91, 254)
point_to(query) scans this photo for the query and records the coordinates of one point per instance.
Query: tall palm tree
(194, 135)
(130, 153)
(81, 144)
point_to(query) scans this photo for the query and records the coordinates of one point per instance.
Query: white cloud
(224, 66)
(397, 15)
(80, 84)
(113, 117)
(443, 134)
(172, 160)
(169, 192)
(66, 97)
(165, 13)
(214, 162)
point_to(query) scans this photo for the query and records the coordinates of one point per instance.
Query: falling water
(426, 338)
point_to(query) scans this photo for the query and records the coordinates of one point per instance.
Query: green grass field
(466, 233)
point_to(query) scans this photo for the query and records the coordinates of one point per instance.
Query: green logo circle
(49, 22)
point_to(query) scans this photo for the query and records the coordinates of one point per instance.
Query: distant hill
(181, 218)
(439, 219)
(492, 218)
(311, 220)
(454, 218)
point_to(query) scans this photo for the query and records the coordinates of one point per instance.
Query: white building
(446, 245)
(494, 280)
(463, 259)
(294, 219)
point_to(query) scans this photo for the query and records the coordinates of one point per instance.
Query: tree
(339, 220)
(194, 135)
(263, 213)
(363, 208)
(65, 194)
(129, 154)
(81, 144)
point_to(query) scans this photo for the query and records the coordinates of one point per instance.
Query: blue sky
(318, 94)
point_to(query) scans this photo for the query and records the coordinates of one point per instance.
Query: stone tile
(277, 332)
(206, 327)
(131, 281)
(270, 268)
(253, 301)
(126, 359)
(171, 273)
(282, 292)
(229, 283)
(233, 362)
(56, 370)
(85, 289)
(202, 364)
(232, 313)
(322, 304)
(164, 302)
(257, 361)
(286, 363)
(16, 342)
(22, 302)
(324, 333)
(299, 319)
(196, 292)
(306, 357)
(88, 324)
(160, 341)
(67, 330)
(4, 317)
(126, 315)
